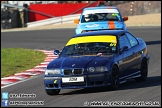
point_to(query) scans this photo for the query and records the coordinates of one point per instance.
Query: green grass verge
(15, 60)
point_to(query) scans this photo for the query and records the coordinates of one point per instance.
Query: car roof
(102, 7)
(101, 32)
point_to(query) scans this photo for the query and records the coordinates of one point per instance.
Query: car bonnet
(84, 60)
(79, 61)
(101, 25)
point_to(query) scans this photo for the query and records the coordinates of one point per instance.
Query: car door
(136, 51)
(126, 62)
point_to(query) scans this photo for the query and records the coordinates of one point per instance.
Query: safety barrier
(56, 10)
(55, 20)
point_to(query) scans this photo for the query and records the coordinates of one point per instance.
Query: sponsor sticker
(92, 25)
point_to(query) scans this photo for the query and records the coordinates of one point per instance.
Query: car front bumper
(91, 80)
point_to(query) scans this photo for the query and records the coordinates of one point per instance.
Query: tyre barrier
(10, 18)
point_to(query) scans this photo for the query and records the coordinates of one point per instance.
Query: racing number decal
(113, 44)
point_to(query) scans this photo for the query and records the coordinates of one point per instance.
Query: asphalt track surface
(148, 92)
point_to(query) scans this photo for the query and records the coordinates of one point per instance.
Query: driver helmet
(87, 17)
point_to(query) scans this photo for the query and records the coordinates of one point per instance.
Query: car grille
(77, 71)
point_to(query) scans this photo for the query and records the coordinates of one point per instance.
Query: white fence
(55, 20)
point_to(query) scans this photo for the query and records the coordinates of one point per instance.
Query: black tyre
(115, 78)
(144, 71)
(53, 92)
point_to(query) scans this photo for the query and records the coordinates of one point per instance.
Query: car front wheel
(144, 71)
(115, 78)
(52, 92)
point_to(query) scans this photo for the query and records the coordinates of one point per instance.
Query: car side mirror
(76, 21)
(125, 18)
(56, 52)
(125, 48)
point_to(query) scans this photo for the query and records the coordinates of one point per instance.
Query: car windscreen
(89, 45)
(100, 15)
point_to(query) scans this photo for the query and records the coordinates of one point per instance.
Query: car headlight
(52, 71)
(97, 69)
(91, 69)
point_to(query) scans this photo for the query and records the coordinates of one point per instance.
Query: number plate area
(72, 79)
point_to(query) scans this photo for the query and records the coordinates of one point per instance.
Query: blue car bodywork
(102, 18)
(99, 58)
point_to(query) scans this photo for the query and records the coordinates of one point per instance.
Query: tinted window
(102, 17)
(133, 41)
(123, 41)
(105, 14)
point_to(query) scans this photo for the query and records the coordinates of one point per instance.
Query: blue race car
(99, 58)
(100, 18)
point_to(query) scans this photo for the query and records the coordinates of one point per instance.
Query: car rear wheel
(53, 92)
(144, 71)
(115, 78)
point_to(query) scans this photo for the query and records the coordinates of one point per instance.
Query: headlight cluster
(97, 69)
(52, 71)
